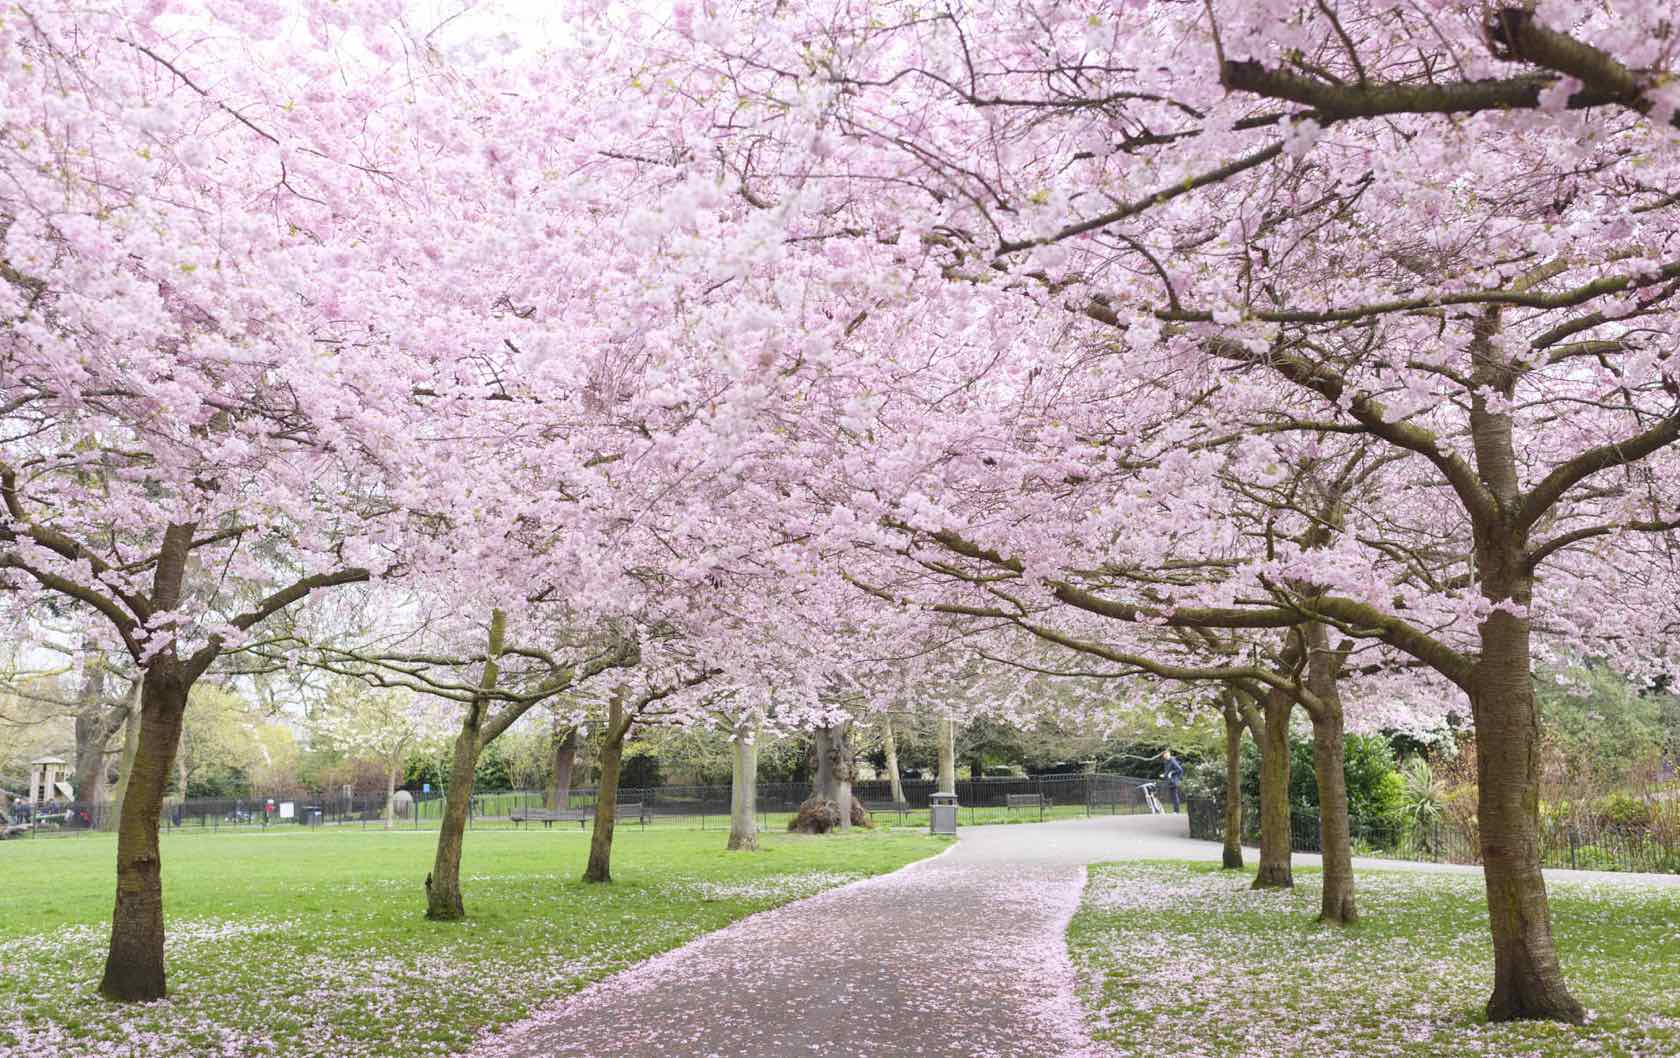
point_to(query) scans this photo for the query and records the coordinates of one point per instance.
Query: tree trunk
(390, 793)
(834, 769)
(1527, 980)
(125, 766)
(565, 759)
(947, 755)
(1335, 839)
(95, 723)
(134, 966)
(890, 742)
(1232, 856)
(848, 770)
(443, 885)
(743, 817)
(1276, 843)
(826, 783)
(599, 868)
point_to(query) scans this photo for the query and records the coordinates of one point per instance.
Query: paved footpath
(959, 956)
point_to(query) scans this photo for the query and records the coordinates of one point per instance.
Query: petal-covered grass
(1185, 960)
(314, 943)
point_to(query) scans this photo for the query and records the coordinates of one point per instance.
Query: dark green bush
(1594, 858)
(1376, 792)
(1623, 812)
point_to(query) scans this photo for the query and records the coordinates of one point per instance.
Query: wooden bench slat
(548, 819)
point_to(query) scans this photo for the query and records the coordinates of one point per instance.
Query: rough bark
(443, 886)
(1329, 769)
(819, 815)
(847, 805)
(834, 769)
(134, 966)
(889, 742)
(599, 868)
(947, 755)
(1528, 982)
(816, 815)
(1232, 859)
(1276, 846)
(444, 902)
(96, 722)
(743, 790)
(125, 765)
(565, 759)
(1335, 839)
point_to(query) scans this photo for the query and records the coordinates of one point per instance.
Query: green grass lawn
(312, 941)
(492, 811)
(1184, 960)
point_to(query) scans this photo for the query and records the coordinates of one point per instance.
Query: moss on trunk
(1231, 856)
(599, 868)
(134, 967)
(1276, 846)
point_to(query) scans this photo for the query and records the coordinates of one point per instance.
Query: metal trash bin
(942, 813)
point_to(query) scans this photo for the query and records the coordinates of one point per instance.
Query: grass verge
(1183, 959)
(313, 943)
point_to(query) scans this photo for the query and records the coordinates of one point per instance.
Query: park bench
(900, 808)
(580, 816)
(1026, 800)
(631, 809)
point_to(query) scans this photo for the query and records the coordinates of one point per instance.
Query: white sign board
(285, 810)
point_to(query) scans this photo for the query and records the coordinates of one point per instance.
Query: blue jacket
(1175, 771)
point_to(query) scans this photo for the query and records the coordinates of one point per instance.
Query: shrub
(1596, 858)
(1423, 797)
(1623, 812)
(1205, 779)
(1376, 792)
(1386, 800)
(1460, 814)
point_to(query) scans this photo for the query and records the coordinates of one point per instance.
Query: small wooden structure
(49, 780)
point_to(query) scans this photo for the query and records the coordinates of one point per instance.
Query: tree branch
(1602, 457)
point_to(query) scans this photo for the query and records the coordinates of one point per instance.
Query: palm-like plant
(1424, 801)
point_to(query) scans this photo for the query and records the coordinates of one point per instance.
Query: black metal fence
(992, 800)
(1575, 845)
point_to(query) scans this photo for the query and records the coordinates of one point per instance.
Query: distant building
(49, 780)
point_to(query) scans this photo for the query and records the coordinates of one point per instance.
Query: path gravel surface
(959, 956)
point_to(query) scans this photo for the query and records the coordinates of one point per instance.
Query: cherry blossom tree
(1295, 351)
(385, 725)
(215, 381)
(1440, 232)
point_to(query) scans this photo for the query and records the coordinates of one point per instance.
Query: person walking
(1173, 772)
